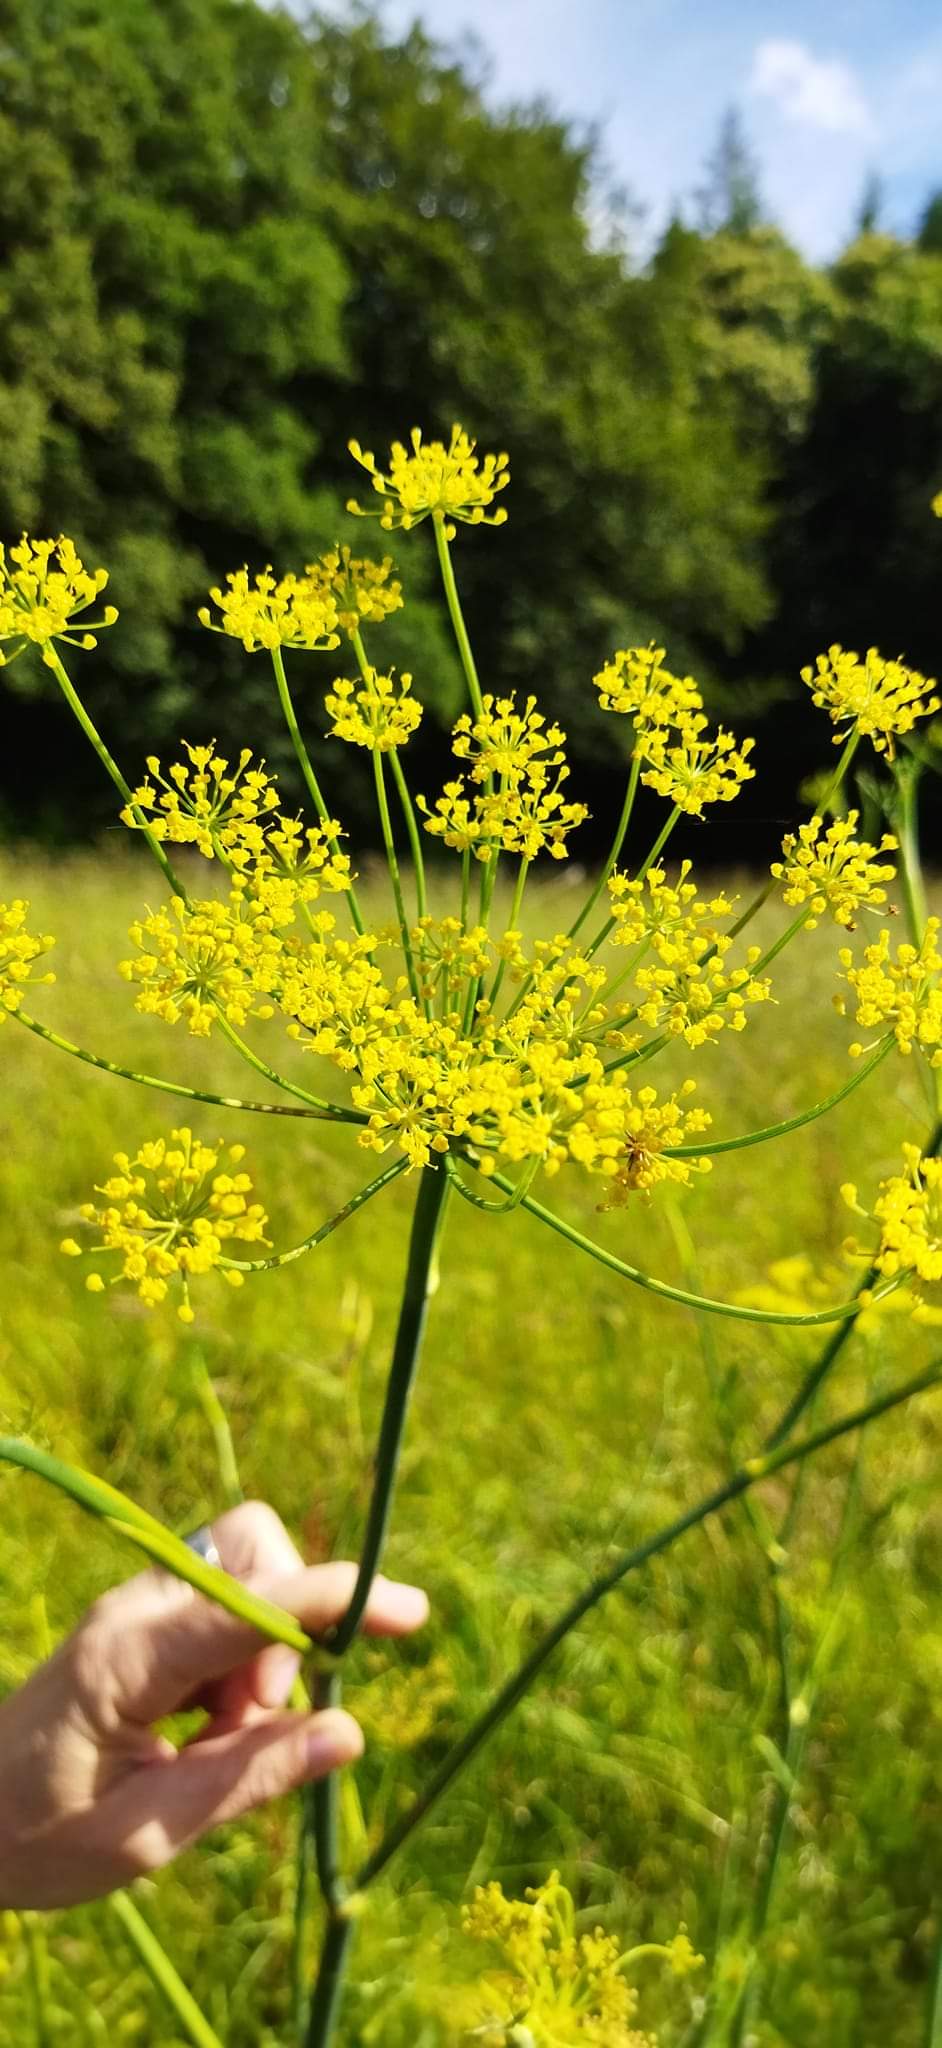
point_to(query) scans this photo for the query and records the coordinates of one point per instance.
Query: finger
(154, 1643)
(159, 1810)
(253, 1546)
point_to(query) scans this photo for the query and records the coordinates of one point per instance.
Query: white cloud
(819, 92)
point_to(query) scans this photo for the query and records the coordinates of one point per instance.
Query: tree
(729, 200)
(929, 237)
(870, 205)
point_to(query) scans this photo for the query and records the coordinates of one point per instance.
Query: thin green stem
(111, 768)
(308, 1244)
(841, 1311)
(162, 1974)
(519, 1683)
(617, 844)
(226, 1460)
(314, 1102)
(328, 1989)
(426, 1224)
(790, 1123)
(37, 1954)
(456, 615)
(648, 862)
(328, 1114)
(519, 887)
(310, 779)
(415, 836)
(392, 863)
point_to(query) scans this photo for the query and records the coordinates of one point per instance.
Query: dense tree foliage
(231, 240)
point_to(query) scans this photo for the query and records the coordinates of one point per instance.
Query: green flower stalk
(460, 1053)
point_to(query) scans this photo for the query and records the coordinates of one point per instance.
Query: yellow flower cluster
(270, 611)
(517, 771)
(169, 1212)
(19, 950)
(451, 483)
(203, 961)
(233, 813)
(681, 984)
(636, 683)
(695, 767)
(378, 713)
(828, 869)
(362, 592)
(903, 995)
(880, 698)
(44, 590)
(558, 1987)
(908, 1213)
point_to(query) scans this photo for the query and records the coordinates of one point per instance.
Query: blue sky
(827, 92)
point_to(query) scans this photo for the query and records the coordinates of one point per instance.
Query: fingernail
(411, 1604)
(278, 1670)
(333, 1739)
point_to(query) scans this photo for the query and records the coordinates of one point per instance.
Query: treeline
(230, 241)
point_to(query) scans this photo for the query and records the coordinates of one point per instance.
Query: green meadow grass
(560, 1413)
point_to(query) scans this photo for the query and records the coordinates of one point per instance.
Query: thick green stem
(161, 1972)
(456, 615)
(307, 770)
(519, 1684)
(325, 2003)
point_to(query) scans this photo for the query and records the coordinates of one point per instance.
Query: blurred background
(685, 266)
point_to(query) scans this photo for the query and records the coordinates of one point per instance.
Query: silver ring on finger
(203, 1543)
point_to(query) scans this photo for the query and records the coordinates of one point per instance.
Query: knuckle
(147, 1850)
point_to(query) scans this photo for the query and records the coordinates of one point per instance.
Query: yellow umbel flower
(203, 961)
(554, 1986)
(692, 766)
(169, 1212)
(880, 698)
(903, 995)
(452, 482)
(44, 589)
(203, 802)
(639, 1130)
(363, 592)
(518, 763)
(681, 983)
(270, 612)
(19, 950)
(908, 1213)
(636, 683)
(670, 915)
(506, 743)
(378, 713)
(827, 868)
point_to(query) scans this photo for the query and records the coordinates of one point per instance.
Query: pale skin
(92, 1796)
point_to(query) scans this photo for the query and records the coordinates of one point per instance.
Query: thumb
(165, 1806)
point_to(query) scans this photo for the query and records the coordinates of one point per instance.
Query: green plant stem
(162, 1973)
(648, 862)
(226, 1460)
(519, 887)
(738, 1313)
(328, 1989)
(392, 862)
(94, 1059)
(111, 768)
(790, 1123)
(132, 1522)
(456, 615)
(260, 1066)
(308, 1244)
(750, 1474)
(415, 836)
(311, 783)
(38, 1959)
(617, 844)
(426, 1224)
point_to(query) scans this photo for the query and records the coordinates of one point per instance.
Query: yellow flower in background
(452, 482)
(363, 592)
(829, 869)
(169, 1213)
(378, 713)
(902, 994)
(270, 612)
(908, 1214)
(692, 766)
(937, 505)
(882, 699)
(44, 589)
(636, 683)
(19, 951)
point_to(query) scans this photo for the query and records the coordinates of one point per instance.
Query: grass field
(559, 1413)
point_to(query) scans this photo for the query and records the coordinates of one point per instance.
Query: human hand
(91, 1796)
